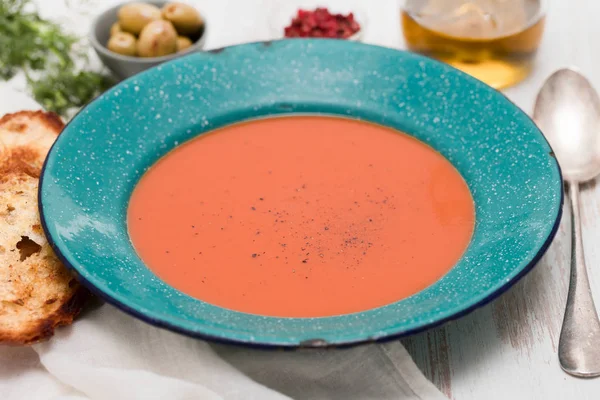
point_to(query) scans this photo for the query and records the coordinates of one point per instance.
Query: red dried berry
(321, 23)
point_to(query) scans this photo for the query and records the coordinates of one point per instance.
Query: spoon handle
(579, 345)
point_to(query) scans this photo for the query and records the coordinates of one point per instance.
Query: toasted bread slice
(25, 138)
(37, 292)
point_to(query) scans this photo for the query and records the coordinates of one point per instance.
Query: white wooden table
(507, 349)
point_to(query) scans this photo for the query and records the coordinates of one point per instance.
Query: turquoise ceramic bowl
(96, 162)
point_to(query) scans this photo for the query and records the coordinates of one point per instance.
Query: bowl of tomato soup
(300, 193)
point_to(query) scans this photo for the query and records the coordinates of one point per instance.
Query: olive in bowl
(132, 37)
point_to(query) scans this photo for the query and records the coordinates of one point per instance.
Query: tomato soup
(301, 216)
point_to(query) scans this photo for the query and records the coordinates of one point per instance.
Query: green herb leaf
(32, 44)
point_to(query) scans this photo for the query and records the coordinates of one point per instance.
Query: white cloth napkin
(107, 355)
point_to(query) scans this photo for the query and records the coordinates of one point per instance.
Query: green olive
(134, 16)
(158, 38)
(185, 18)
(115, 28)
(183, 42)
(122, 43)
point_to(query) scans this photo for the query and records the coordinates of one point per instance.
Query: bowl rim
(99, 47)
(492, 293)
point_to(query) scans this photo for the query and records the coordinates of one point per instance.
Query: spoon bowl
(567, 110)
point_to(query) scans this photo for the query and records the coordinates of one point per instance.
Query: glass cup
(493, 40)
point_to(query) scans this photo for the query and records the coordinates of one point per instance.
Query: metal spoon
(567, 110)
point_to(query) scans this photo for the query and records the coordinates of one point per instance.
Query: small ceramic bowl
(284, 11)
(125, 66)
(100, 156)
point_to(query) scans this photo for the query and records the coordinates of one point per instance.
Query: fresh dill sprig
(47, 56)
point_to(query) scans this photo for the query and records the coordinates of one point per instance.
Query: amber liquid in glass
(497, 50)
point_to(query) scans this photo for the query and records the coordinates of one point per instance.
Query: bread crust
(49, 119)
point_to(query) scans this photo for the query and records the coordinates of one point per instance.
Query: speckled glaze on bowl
(95, 163)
